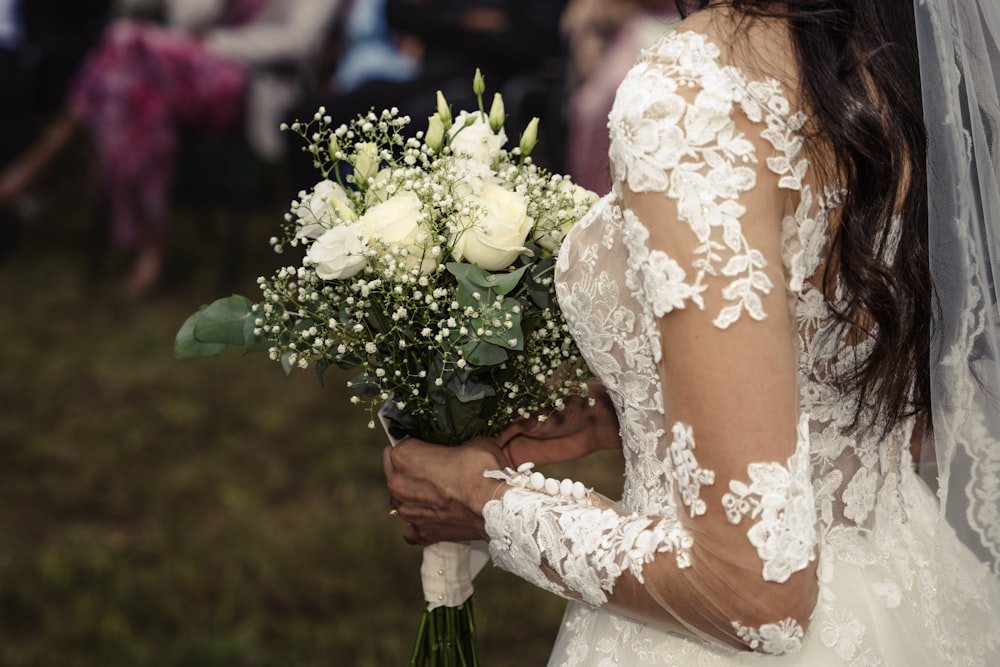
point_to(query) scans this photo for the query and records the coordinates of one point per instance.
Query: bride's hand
(572, 433)
(440, 491)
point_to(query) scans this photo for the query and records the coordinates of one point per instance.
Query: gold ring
(393, 512)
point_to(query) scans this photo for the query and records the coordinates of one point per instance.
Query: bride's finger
(411, 535)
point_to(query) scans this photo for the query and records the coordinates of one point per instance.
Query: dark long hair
(859, 76)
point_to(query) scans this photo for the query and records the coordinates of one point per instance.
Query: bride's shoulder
(720, 49)
(760, 47)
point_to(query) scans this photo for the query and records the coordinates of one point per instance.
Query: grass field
(206, 512)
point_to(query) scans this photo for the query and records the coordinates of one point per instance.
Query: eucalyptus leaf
(470, 389)
(481, 353)
(465, 419)
(468, 295)
(472, 277)
(225, 321)
(539, 293)
(470, 274)
(363, 386)
(186, 346)
(509, 307)
(503, 283)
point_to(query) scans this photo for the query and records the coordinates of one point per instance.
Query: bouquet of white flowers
(428, 266)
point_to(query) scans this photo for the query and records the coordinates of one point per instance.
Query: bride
(784, 325)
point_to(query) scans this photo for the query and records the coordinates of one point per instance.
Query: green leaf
(465, 419)
(481, 353)
(472, 276)
(469, 390)
(539, 293)
(186, 346)
(504, 335)
(540, 296)
(364, 386)
(502, 283)
(466, 296)
(226, 321)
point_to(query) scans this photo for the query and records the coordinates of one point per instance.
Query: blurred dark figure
(604, 37)
(214, 65)
(513, 42)
(41, 44)
(12, 71)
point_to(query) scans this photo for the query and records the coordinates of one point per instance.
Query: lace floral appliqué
(690, 477)
(780, 500)
(691, 150)
(772, 638)
(535, 534)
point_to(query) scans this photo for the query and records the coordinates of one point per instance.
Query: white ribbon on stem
(448, 568)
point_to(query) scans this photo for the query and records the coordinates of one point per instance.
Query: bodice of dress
(746, 232)
(614, 287)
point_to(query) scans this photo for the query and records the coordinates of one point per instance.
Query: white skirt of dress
(898, 594)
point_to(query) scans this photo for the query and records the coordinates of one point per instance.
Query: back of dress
(692, 290)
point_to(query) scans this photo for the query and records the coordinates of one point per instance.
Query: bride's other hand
(440, 491)
(572, 433)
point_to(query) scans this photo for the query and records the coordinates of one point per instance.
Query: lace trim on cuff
(569, 544)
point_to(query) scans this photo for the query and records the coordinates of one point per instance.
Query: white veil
(959, 43)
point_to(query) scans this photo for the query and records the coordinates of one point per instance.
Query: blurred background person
(370, 51)
(515, 43)
(41, 44)
(214, 65)
(603, 39)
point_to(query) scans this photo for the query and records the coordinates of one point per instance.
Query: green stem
(446, 637)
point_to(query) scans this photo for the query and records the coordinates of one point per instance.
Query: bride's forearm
(645, 567)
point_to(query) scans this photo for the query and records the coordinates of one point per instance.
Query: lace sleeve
(719, 542)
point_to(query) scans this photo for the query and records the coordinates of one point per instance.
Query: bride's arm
(736, 564)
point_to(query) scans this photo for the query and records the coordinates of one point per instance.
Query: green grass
(206, 512)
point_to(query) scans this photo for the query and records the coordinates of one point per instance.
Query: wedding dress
(714, 523)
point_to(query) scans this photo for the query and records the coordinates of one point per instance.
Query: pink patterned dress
(136, 90)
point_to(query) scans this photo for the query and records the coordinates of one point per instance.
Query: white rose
(322, 209)
(396, 224)
(476, 140)
(496, 237)
(338, 252)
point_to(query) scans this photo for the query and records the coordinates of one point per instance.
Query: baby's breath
(404, 319)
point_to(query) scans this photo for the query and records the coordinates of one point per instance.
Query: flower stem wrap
(447, 633)
(447, 572)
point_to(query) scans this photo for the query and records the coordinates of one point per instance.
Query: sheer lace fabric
(960, 70)
(688, 289)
